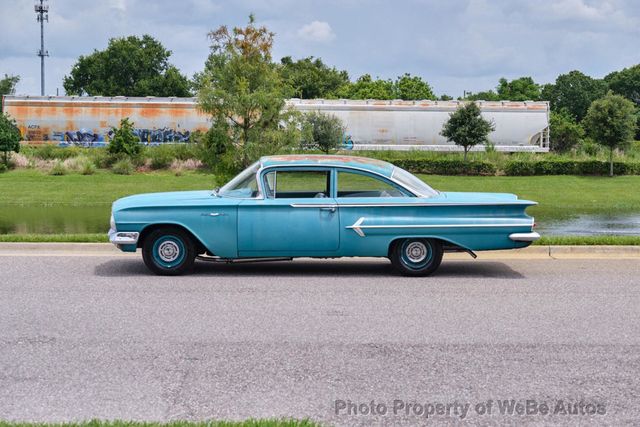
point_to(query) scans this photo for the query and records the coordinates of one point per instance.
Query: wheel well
(200, 248)
(447, 246)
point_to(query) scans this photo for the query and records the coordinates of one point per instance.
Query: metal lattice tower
(42, 12)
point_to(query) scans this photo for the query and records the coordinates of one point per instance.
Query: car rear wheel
(416, 257)
(168, 251)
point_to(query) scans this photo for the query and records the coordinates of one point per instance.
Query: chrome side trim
(383, 205)
(524, 237)
(314, 205)
(357, 226)
(123, 237)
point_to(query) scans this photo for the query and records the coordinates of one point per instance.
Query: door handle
(213, 214)
(328, 208)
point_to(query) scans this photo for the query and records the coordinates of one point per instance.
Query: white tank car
(371, 124)
(406, 125)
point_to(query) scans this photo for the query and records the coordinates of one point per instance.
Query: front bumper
(123, 237)
(524, 237)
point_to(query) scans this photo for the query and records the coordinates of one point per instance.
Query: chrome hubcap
(168, 251)
(416, 252)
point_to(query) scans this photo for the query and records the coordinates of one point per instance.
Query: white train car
(371, 124)
(406, 125)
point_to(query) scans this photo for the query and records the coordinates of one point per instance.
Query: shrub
(569, 167)
(161, 156)
(123, 167)
(88, 168)
(323, 131)
(58, 169)
(124, 140)
(52, 152)
(3, 167)
(446, 166)
(565, 132)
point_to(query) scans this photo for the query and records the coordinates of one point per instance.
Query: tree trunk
(611, 162)
(465, 154)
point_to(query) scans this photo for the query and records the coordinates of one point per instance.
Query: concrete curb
(532, 252)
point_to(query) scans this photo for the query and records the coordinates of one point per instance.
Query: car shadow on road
(318, 268)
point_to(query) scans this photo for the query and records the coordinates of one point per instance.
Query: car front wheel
(168, 252)
(416, 257)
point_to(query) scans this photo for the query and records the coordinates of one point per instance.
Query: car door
(296, 217)
(367, 204)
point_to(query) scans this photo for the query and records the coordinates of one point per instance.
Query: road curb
(532, 252)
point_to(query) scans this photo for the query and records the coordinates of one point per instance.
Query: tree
(8, 84)
(324, 131)
(243, 91)
(565, 132)
(129, 66)
(611, 121)
(626, 83)
(310, 78)
(466, 127)
(9, 137)
(487, 95)
(410, 87)
(124, 140)
(367, 88)
(574, 92)
(445, 97)
(522, 89)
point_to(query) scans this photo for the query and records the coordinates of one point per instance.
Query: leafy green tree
(9, 137)
(242, 88)
(467, 128)
(124, 141)
(410, 87)
(522, 89)
(565, 132)
(574, 92)
(611, 121)
(8, 84)
(310, 78)
(487, 95)
(323, 131)
(367, 88)
(129, 66)
(626, 83)
(445, 97)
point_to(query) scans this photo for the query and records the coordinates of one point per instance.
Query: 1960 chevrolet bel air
(283, 207)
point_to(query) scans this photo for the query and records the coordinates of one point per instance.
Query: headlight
(112, 222)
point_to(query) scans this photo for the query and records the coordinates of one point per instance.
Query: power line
(42, 12)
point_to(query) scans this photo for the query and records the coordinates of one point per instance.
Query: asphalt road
(98, 337)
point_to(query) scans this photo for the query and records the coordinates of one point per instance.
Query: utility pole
(42, 13)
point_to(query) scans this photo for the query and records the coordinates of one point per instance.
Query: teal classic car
(320, 206)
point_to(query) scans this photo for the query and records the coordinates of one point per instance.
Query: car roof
(362, 163)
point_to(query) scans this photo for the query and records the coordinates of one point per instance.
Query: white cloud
(317, 31)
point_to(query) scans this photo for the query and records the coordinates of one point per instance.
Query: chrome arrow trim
(357, 226)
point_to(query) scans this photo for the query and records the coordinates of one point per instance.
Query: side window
(357, 185)
(297, 184)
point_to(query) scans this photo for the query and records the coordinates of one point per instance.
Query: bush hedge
(569, 167)
(446, 166)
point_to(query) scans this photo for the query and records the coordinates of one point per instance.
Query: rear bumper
(524, 237)
(123, 237)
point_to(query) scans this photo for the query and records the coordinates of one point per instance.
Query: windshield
(413, 183)
(244, 185)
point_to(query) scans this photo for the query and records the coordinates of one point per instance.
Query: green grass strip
(588, 240)
(47, 238)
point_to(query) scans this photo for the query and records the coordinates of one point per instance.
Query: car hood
(468, 197)
(174, 198)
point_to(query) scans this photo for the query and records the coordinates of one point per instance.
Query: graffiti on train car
(89, 138)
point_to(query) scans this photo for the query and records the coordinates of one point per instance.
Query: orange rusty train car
(89, 120)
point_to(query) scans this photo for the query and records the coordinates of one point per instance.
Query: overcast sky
(455, 45)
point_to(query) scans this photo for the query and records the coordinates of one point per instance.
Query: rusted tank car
(371, 124)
